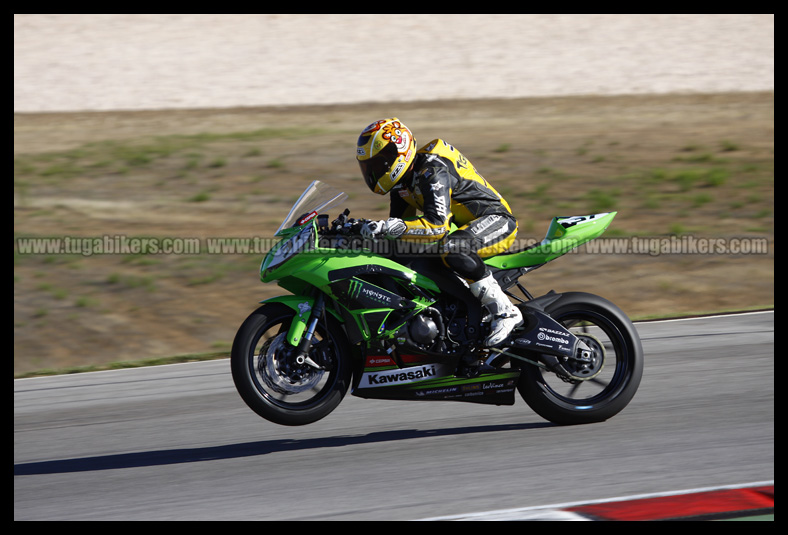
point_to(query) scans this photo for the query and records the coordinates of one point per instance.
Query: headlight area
(300, 242)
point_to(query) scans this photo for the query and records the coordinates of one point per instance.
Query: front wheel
(277, 385)
(618, 358)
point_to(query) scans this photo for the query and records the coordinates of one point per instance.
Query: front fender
(302, 306)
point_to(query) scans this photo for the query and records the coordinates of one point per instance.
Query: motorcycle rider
(440, 182)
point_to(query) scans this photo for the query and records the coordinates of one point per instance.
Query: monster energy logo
(354, 289)
(357, 288)
(375, 295)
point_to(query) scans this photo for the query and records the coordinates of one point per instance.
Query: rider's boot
(506, 316)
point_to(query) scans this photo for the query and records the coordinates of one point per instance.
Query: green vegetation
(664, 178)
(142, 363)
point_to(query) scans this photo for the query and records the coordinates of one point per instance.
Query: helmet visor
(379, 165)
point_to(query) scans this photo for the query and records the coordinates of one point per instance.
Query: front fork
(305, 344)
(307, 314)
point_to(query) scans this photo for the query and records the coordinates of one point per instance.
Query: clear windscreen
(317, 197)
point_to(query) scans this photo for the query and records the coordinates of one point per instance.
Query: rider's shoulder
(439, 147)
(437, 153)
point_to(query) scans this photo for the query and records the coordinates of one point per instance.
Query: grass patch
(125, 156)
(687, 179)
(602, 200)
(126, 364)
(201, 196)
(564, 162)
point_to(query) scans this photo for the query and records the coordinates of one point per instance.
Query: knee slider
(468, 265)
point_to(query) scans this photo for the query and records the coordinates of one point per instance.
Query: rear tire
(604, 396)
(270, 381)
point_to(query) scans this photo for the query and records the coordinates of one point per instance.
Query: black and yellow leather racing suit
(446, 187)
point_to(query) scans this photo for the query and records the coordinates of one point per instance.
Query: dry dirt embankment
(697, 166)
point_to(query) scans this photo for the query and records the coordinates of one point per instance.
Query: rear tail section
(563, 235)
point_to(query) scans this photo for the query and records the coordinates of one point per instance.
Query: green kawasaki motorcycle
(390, 324)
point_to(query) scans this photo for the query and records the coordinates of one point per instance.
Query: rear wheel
(612, 377)
(274, 382)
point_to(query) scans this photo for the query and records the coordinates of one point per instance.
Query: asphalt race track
(177, 443)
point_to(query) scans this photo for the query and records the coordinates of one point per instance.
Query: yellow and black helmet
(385, 151)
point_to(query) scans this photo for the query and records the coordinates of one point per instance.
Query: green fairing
(454, 381)
(299, 265)
(563, 235)
(312, 268)
(302, 306)
(361, 321)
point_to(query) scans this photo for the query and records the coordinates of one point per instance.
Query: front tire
(273, 384)
(604, 326)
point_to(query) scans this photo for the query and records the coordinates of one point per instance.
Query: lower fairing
(423, 377)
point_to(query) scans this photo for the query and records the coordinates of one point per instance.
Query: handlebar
(341, 226)
(343, 233)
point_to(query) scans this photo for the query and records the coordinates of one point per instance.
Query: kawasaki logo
(392, 377)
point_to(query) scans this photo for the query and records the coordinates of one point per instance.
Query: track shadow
(247, 449)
